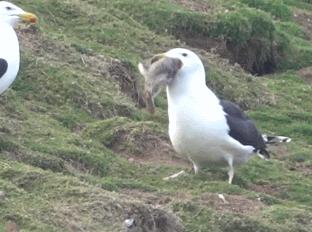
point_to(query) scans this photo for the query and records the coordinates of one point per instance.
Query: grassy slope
(69, 133)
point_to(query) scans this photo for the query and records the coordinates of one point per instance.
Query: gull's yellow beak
(158, 57)
(28, 17)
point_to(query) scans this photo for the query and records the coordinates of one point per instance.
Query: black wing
(3, 67)
(242, 128)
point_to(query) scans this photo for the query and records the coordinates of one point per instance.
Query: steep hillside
(78, 151)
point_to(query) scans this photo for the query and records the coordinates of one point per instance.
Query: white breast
(198, 128)
(9, 50)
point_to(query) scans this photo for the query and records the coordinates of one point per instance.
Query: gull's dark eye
(9, 8)
(184, 54)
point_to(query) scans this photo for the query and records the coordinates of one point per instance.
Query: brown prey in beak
(158, 72)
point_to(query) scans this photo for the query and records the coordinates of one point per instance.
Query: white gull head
(12, 15)
(191, 64)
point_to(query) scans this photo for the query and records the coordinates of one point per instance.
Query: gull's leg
(262, 156)
(195, 167)
(231, 170)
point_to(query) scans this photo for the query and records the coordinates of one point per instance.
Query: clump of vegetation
(276, 8)
(250, 38)
(125, 136)
(302, 4)
(250, 35)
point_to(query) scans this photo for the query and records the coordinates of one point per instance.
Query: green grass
(79, 153)
(276, 7)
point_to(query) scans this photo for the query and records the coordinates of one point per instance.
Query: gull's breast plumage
(9, 50)
(198, 128)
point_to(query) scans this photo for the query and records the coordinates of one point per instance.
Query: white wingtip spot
(265, 137)
(141, 68)
(262, 157)
(287, 140)
(129, 222)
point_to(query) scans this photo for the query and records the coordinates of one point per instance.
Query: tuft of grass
(276, 7)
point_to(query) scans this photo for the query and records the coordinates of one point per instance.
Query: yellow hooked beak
(28, 17)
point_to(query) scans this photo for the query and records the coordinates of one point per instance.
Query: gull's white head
(179, 69)
(191, 63)
(12, 15)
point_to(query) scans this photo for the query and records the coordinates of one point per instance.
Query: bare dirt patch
(147, 147)
(159, 150)
(233, 203)
(59, 52)
(303, 168)
(31, 39)
(304, 18)
(216, 46)
(279, 151)
(11, 226)
(268, 189)
(124, 75)
(195, 5)
(158, 199)
(306, 73)
(98, 209)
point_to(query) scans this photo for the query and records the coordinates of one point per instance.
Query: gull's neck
(189, 97)
(191, 86)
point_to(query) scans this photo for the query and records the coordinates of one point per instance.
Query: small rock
(129, 222)
(2, 195)
(11, 227)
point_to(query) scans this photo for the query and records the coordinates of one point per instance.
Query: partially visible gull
(10, 16)
(202, 128)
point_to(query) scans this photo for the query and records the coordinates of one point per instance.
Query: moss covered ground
(78, 151)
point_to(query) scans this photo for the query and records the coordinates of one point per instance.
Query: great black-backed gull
(10, 16)
(202, 128)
